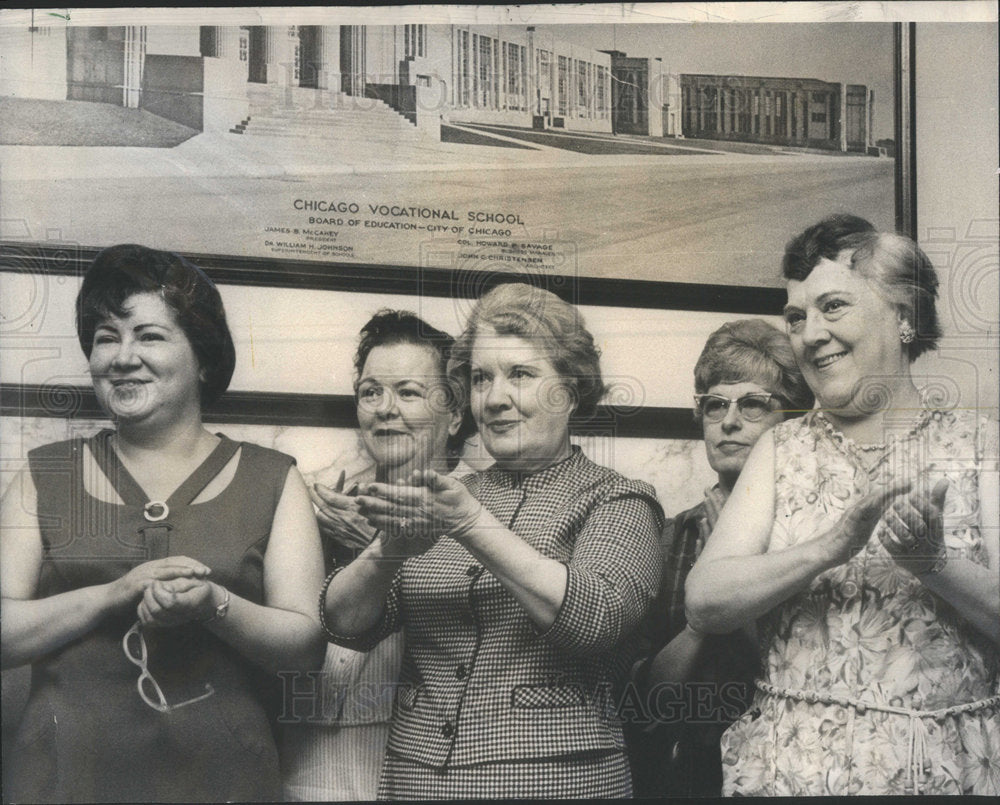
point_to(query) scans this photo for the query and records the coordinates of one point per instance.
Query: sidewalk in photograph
(214, 155)
(87, 140)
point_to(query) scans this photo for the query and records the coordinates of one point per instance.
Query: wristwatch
(221, 610)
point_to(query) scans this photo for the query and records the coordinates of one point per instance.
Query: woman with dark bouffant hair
(518, 588)
(409, 418)
(154, 575)
(864, 540)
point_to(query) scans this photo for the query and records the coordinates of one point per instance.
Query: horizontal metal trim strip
(73, 260)
(325, 411)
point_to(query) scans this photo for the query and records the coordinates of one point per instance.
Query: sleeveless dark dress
(86, 734)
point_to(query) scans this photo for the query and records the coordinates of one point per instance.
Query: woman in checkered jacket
(519, 587)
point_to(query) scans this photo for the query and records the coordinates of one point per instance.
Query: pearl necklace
(873, 457)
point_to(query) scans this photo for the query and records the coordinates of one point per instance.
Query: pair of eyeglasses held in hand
(134, 646)
(752, 407)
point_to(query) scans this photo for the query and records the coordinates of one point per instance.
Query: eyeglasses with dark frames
(752, 407)
(134, 640)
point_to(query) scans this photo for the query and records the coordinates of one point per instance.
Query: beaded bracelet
(322, 604)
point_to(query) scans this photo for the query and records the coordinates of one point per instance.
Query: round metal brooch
(155, 510)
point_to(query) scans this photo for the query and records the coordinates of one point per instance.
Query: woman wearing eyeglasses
(156, 574)
(864, 539)
(746, 381)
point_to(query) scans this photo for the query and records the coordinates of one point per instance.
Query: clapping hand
(338, 515)
(855, 527)
(413, 516)
(914, 532)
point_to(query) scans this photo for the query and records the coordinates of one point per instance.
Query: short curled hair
(906, 278)
(548, 322)
(752, 351)
(823, 240)
(120, 272)
(388, 327)
(895, 264)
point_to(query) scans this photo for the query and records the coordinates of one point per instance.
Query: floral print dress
(869, 633)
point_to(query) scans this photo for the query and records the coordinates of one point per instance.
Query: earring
(906, 332)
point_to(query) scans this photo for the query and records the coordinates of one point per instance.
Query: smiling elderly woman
(152, 574)
(518, 590)
(864, 537)
(408, 420)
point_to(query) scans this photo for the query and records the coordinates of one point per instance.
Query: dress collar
(538, 478)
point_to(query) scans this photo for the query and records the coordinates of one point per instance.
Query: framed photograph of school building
(322, 163)
(635, 162)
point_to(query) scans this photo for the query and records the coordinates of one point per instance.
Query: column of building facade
(553, 82)
(842, 128)
(473, 72)
(503, 68)
(531, 66)
(135, 58)
(595, 113)
(570, 87)
(457, 78)
(328, 47)
(493, 99)
(588, 82)
(232, 45)
(227, 42)
(870, 119)
(279, 53)
(607, 91)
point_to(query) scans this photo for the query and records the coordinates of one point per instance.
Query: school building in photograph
(310, 79)
(784, 111)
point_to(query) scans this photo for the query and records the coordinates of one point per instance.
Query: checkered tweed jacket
(480, 683)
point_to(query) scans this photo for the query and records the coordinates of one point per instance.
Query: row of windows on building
(489, 73)
(492, 74)
(753, 111)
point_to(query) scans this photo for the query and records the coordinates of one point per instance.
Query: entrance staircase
(298, 112)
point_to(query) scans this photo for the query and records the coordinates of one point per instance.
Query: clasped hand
(167, 592)
(412, 516)
(914, 527)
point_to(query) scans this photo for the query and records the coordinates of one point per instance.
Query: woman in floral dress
(864, 539)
